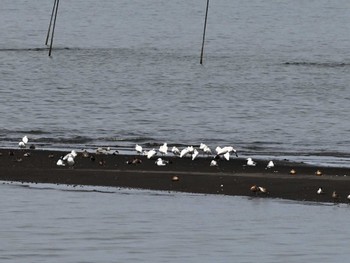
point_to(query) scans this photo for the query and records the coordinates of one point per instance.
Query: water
(274, 81)
(44, 223)
(274, 84)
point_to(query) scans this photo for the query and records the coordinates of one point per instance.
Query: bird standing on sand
(175, 151)
(161, 162)
(270, 164)
(205, 149)
(60, 162)
(320, 191)
(138, 149)
(335, 196)
(151, 153)
(187, 150)
(23, 142)
(225, 151)
(70, 160)
(250, 162)
(195, 154)
(163, 149)
(213, 163)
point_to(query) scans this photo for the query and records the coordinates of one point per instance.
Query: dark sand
(229, 178)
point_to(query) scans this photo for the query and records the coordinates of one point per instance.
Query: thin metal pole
(48, 31)
(53, 27)
(205, 27)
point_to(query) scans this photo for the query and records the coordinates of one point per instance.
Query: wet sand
(231, 177)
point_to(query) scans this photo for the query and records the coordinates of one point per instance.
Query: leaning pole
(205, 27)
(52, 31)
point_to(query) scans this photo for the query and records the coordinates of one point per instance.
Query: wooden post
(49, 29)
(205, 27)
(53, 27)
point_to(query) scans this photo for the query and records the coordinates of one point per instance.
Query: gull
(25, 139)
(70, 160)
(161, 162)
(72, 154)
(205, 148)
(138, 149)
(195, 154)
(175, 150)
(151, 153)
(213, 163)
(250, 162)
(163, 149)
(320, 191)
(23, 142)
(270, 164)
(60, 162)
(225, 151)
(187, 150)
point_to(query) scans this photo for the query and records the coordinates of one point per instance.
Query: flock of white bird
(224, 152)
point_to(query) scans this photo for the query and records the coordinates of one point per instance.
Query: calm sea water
(275, 82)
(44, 223)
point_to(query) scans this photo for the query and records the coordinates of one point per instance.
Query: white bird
(71, 154)
(138, 149)
(270, 164)
(205, 148)
(25, 139)
(175, 150)
(151, 153)
(185, 151)
(250, 162)
(202, 146)
(320, 191)
(225, 150)
(70, 160)
(195, 154)
(23, 142)
(161, 162)
(213, 163)
(163, 149)
(60, 162)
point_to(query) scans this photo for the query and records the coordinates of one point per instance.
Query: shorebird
(254, 189)
(175, 151)
(23, 142)
(250, 162)
(213, 163)
(263, 190)
(163, 149)
(195, 154)
(70, 160)
(187, 150)
(138, 148)
(205, 149)
(161, 162)
(60, 162)
(320, 191)
(270, 164)
(151, 153)
(335, 196)
(225, 151)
